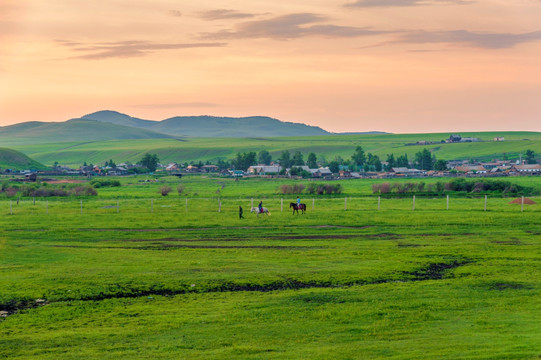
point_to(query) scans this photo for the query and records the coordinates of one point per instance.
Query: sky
(401, 66)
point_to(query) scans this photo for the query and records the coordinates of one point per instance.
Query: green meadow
(133, 274)
(74, 153)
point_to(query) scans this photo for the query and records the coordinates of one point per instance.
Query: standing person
(260, 206)
(240, 213)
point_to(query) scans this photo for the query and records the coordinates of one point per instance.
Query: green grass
(15, 160)
(203, 149)
(362, 283)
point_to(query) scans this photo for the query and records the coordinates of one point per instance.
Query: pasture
(74, 153)
(132, 274)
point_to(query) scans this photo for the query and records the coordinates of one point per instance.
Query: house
(172, 167)
(527, 169)
(500, 169)
(321, 172)
(407, 172)
(469, 139)
(454, 138)
(471, 169)
(210, 168)
(344, 173)
(119, 170)
(490, 165)
(264, 169)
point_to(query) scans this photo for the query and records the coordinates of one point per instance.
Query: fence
(275, 205)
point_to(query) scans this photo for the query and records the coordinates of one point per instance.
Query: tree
(402, 161)
(424, 160)
(312, 161)
(391, 162)
(150, 162)
(358, 157)
(297, 159)
(285, 160)
(244, 161)
(264, 157)
(440, 165)
(374, 162)
(334, 166)
(222, 164)
(530, 157)
(111, 164)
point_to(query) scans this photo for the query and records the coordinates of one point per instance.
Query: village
(455, 168)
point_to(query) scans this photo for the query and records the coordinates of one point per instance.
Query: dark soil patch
(501, 286)
(387, 236)
(285, 237)
(409, 245)
(436, 271)
(161, 246)
(508, 242)
(527, 201)
(223, 228)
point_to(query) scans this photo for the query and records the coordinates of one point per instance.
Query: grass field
(203, 149)
(150, 279)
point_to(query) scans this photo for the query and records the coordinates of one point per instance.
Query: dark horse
(301, 207)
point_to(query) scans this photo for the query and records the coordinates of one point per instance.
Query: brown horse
(301, 207)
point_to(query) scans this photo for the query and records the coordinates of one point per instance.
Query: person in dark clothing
(240, 213)
(260, 206)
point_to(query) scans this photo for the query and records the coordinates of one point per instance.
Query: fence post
(379, 202)
(345, 203)
(282, 204)
(34, 200)
(522, 204)
(485, 202)
(151, 205)
(447, 201)
(413, 208)
(313, 203)
(81, 206)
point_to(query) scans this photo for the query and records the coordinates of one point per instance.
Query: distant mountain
(14, 160)
(117, 118)
(212, 126)
(72, 130)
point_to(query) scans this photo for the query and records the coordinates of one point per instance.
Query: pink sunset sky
(344, 65)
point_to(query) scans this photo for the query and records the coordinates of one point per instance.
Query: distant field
(196, 149)
(156, 278)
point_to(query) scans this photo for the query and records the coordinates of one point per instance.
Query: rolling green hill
(212, 126)
(328, 146)
(71, 130)
(15, 160)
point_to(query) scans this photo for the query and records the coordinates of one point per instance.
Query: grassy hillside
(15, 160)
(73, 130)
(329, 146)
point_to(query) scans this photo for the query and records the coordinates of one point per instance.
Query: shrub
(291, 189)
(321, 189)
(84, 191)
(97, 183)
(165, 190)
(11, 191)
(180, 189)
